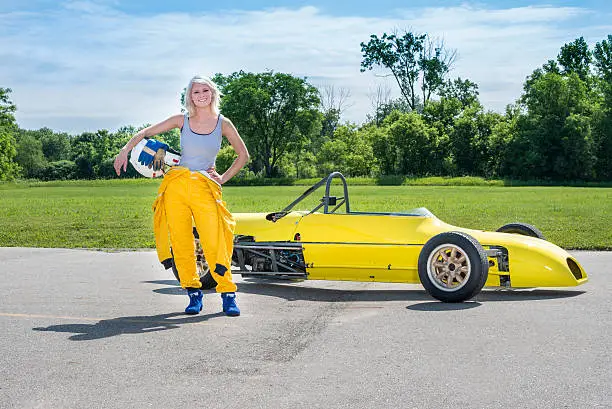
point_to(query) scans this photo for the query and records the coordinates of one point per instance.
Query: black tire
(521, 228)
(207, 280)
(473, 268)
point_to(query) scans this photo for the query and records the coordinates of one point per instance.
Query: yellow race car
(333, 242)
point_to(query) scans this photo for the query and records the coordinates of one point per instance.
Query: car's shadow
(286, 290)
(127, 325)
(173, 287)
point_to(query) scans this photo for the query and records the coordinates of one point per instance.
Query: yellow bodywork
(386, 247)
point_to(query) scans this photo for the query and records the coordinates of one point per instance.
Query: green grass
(418, 181)
(116, 214)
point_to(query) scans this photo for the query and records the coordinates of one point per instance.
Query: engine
(274, 259)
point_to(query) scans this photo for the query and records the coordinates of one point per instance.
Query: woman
(191, 193)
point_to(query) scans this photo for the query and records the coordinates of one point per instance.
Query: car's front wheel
(453, 267)
(207, 280)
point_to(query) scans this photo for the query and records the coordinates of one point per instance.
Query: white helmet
(171, 159)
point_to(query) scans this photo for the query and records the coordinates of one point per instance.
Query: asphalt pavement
(89, 329)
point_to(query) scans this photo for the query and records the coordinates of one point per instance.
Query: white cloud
(87, 66)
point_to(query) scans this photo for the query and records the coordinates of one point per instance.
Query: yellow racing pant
(186, 198)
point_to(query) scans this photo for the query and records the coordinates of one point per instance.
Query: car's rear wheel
(453, 267)
(521, 228)
(207, 280)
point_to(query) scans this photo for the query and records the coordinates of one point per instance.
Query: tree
(302, 163)
(172, 138)
(465, 91)
(8, 126)
(59, 170)
(383, 110)
(552, 66)
(470, 142)
(553, 138)
(30, 155)
(602, 144)
(442, 116)
(575, 58)
(603, 58)
(350, 152)
(435, 62)
(333, 104)
(407, 146)
(92, 152)
(8, 166)
(275, 114)
(502, 133)
(379, 98)
(225, 158)
(602, 118)
(7, 109)
(55, 146)
(412, 59)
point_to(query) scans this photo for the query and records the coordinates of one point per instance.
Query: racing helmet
(172, 158)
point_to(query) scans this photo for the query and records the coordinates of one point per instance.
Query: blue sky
(85, 65)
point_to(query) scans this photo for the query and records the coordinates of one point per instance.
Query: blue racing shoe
(195, 301)
(229, 304)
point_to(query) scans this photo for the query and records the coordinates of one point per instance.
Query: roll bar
(326, 201)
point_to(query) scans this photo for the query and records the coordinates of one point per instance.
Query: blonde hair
(216, 94)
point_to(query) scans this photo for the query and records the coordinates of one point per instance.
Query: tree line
(560, 129)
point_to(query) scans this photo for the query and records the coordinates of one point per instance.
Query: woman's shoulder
(177, 120)
(225, 120)
(226, 123)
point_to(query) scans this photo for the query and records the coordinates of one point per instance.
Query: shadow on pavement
(286, 290)
(163, 282)
(494, 296)
(295, 293)
(173, 289)
(127, 325)
(441, 306)
(525, 295)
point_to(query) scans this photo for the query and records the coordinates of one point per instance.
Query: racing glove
(150, 150)
(158, 159)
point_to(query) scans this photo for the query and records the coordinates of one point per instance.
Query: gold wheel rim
(448, 267)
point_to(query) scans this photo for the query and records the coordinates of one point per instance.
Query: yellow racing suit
(185, 197)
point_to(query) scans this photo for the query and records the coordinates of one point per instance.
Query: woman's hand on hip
(212, 172)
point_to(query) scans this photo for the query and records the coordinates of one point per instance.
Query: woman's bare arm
(121, 160)
(230, 132)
